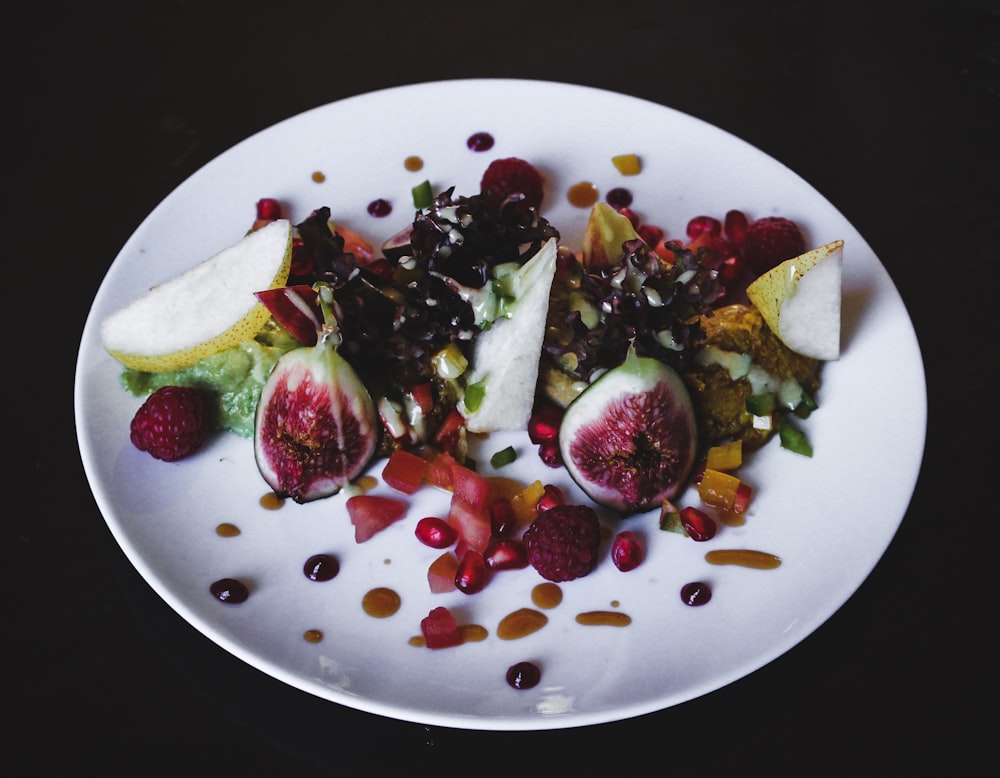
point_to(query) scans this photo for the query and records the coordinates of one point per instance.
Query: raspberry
(771, 240)
(170, 425)
(505, 177)
(562, 542)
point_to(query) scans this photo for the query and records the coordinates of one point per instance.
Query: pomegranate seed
(551, 497)
(523, 675)
(626, 551)
(268, 208)
(700, 224)
(549, 453)
(698, 524)
(503, 519)
(505, 554)
(619, 198)
(543, 426)
(472, 572)
(736, 227)
(631, 216)
(321, 567)
(696, 593)
(435, 532)
(651, 235)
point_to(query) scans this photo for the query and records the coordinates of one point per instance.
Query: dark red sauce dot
(619, 197)
(480, 141)
(321, 567)
(229, 590)
(696, 593)
(379, 207)
(523, 675)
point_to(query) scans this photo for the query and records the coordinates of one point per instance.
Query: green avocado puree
(230, 380)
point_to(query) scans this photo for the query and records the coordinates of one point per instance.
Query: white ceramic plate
(829, 518)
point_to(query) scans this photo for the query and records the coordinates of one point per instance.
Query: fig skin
(316, 427)
(629, 440)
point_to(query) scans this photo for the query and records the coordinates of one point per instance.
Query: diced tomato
(404, 471)
(370, 514)
(440, 629)
(470, 486)
(472, 525)
(441, 573)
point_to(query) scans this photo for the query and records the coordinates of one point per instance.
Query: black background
(890, 109)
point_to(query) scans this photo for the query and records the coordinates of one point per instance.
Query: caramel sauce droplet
(271, 501)
(472, 633)
(318, 177)
(380, 602)
(312, 635)
(227, 530)
(759, 560)
(604, 618)
(520, 623)
(582, 194)
(413, 163)
(546, 595)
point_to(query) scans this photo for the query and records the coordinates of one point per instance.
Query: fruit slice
(506, 356)
(316, 427)
(297, 309)
(206, 309)
(800, 301)
(629, 438)
(606, 231)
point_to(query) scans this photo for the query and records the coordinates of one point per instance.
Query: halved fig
(629, 439)
(316, 426)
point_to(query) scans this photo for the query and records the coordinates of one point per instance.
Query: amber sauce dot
(367, 482)
(227, 530)
(271, 501)
(521, 622)
(413, 163)
(312, 635)
(604, 618)
(546, 595)
(472, 633)
(582, 194)
(760, 560)
(380, 602)
(318, 177)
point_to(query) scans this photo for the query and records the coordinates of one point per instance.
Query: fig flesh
(316, 427)
(629, 439)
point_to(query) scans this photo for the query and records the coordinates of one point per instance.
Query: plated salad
(644, 365)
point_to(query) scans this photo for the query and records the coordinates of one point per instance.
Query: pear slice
(206, 309)
(800, 301)
(506, 357)
(606, 231)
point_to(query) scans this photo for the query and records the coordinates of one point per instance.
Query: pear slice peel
(800, 300)
(205, 309)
